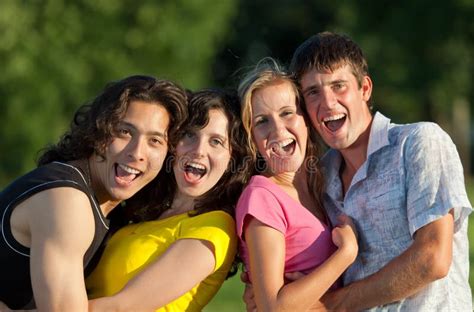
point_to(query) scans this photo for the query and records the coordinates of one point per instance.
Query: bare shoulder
(60, 214)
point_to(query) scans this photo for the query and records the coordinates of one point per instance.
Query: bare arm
(186, 263)
(426, 260)
(62, 228)
(267, 257)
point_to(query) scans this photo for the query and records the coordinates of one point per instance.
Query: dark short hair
(329, 51)
(95, 123)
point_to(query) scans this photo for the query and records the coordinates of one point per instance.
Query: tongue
(193, 175)
(284, 151)
(124, 175)
(334, 125)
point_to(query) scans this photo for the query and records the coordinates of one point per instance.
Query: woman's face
(203, 156)
(278, 127)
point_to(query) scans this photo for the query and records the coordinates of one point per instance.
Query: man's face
(337, 105)
(136, 153)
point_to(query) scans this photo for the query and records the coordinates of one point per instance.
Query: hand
(344, 219)
(344, 236)
(293, 276)
(248, 295)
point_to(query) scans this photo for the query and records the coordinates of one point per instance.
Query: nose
(137, 148)
(278, 126)
(328, 98)
(199, 147)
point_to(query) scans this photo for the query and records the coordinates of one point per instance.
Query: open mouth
(283, 148)
(125, 174)
(335, 122)
(193, 171)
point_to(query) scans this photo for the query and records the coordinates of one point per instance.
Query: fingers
(344, 219)
(249, 298)
(244, 277)
(293, 276)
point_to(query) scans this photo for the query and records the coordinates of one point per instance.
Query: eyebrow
(280, 109)
(220, 136)
(157, 133)
(315, 86)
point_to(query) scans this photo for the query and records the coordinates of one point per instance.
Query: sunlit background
(56, 55)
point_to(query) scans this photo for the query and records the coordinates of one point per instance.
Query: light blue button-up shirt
(412, 176)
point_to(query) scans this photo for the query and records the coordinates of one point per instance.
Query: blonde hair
(267, 72)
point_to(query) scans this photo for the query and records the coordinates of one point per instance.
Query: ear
(366, 88)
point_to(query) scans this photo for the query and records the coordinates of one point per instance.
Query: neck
(182, 203)
(105, 203)
(107, 206)
(296, 180)
(354, 157)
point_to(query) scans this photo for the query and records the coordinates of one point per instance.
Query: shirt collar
(331, 161)
(378, 133)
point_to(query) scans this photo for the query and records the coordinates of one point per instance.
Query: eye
(338, 86)
(260, 120)
(189, 134)
(156, 141)
(286, 113)
(217, 142)
(312, 92)
(123, 132)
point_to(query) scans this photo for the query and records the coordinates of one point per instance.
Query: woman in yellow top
(179, 257)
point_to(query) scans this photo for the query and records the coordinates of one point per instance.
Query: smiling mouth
(125, 174)
(334, 123)
(193, 172)
(283, 148)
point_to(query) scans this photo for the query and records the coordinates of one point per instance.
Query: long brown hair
(224, 195)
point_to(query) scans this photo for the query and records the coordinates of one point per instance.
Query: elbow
(440, 269)
(438, 265)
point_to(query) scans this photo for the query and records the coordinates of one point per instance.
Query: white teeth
(334, 117)
(286, 142)
(280, 144)
(196, 165)
(129, 169)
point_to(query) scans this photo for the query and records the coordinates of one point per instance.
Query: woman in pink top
(280, 218)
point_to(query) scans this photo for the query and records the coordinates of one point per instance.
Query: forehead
(273, 96)
(218, 123)
(317, 77)
(150, 116)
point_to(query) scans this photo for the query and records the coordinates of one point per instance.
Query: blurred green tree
(420, 55)
(56, 55)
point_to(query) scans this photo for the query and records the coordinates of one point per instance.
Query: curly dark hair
(95, 123)
(224, 195)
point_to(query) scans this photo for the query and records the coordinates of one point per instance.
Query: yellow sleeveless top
(133, 247)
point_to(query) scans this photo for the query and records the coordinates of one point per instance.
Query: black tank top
(15, 283)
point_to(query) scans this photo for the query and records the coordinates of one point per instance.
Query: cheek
(116, 146)
(259, 141)
(221, 163)
(312, 112)
(157, 158)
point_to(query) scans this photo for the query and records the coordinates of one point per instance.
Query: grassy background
(229, 297)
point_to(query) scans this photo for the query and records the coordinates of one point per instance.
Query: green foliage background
(57, 54)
